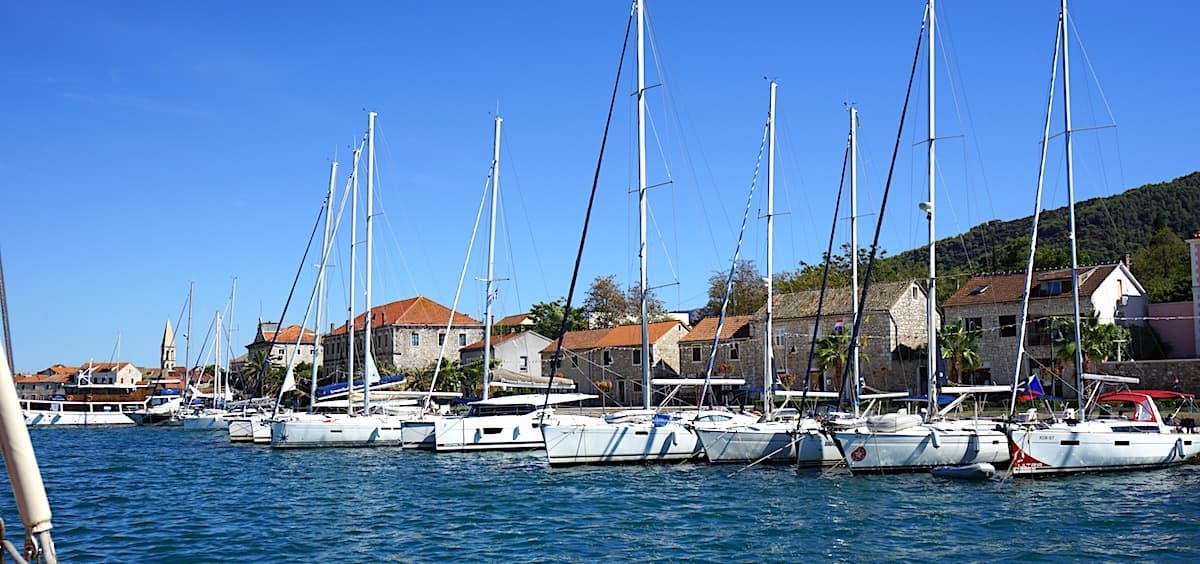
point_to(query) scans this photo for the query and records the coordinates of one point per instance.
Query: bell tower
(167, 353)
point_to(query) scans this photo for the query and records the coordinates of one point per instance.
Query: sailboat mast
(854, 391)
(491, 268)
(931, 295)
(217, 393)
(1066, 69)
(769, 324)
(187, 341)
(353, 260)
(318, 352)
(643, 286)
(368, 361)
(229, 353)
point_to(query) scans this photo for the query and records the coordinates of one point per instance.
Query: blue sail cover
(340, 387)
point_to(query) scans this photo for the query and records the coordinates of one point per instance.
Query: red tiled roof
(620, 336)
(1004, 288)
(496, 340)
(707, 328)
(39, 379)
(104, 366)
(413, 311)
(289, 334)
(65, 370)
(516, 319)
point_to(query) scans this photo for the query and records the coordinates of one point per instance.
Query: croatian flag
(838, 327)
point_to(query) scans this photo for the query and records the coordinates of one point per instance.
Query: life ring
(70, 398)
(858, 454)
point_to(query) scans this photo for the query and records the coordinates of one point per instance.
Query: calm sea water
(167, 495)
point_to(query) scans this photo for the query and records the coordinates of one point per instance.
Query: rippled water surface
(167, 495)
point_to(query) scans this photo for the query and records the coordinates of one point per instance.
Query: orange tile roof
(103, 366)
(61, 369)
(413, 311)
(707, 328)
(1005, 288)
(620, 336)
(496, 340)
(516, 319)
(39, 379)
(289, 334)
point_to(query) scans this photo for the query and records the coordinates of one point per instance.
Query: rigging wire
(562, 332)
(862, 299)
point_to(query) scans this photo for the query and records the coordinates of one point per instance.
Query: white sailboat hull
(619, 443)
(418, 434)
(206, 422)
(924, 447)
(246, 429)
(498, 432)
(49, 418)
(1093, 446)
(336, 431)
(778, 443)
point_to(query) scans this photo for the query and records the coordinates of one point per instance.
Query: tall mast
(491, 267)
(854, 391)
(229, 353)
(641, 142)
(931, 295)
(1066, 69)
(4, 317)
(769, 325)
(318, 353)
(353, 260)
(218, 396)
(368, 361)
(187, 340)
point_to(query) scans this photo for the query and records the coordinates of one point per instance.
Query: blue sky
(150, 144)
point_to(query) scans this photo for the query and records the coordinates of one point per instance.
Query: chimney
(1127, 260)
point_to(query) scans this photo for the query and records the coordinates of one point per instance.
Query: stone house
(405, 335)
(613, 355)
(517, 352)
(991, 305)
(289, 340)
(121, 374)
(893, 330)
(739, 354)
(40, 386)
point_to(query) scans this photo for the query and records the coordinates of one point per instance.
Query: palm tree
(959, 347)
(833, 351)
(252, 371)
(1100, 340)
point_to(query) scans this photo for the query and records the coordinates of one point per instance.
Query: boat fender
(933, 438)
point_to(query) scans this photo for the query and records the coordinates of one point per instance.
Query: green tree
(1100, 340)
(1163, 267)
(748, 293)
(547, 318)
(958, 345)
(606, 305)
(833, 352)
(654, 306)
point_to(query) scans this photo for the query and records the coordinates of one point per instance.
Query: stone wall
(1158, 374)
(393, 346)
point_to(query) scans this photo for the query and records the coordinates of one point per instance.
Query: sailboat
(904, 442)
(352, 429)
(647, 435)
(1078, 442)
(495, 423)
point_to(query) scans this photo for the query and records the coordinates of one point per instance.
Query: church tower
(167, 354)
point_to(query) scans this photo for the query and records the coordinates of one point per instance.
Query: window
(523, 365)
(1008, 325)
(441, 339)
(973, 323)
(574, 361)
(779, 339)
(1052, 288)
(733, 352)
(637, 358)
(414, 339)
(462, 339)
(607, 358)
(916, 292)
(1039, 332)
(695, 354)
